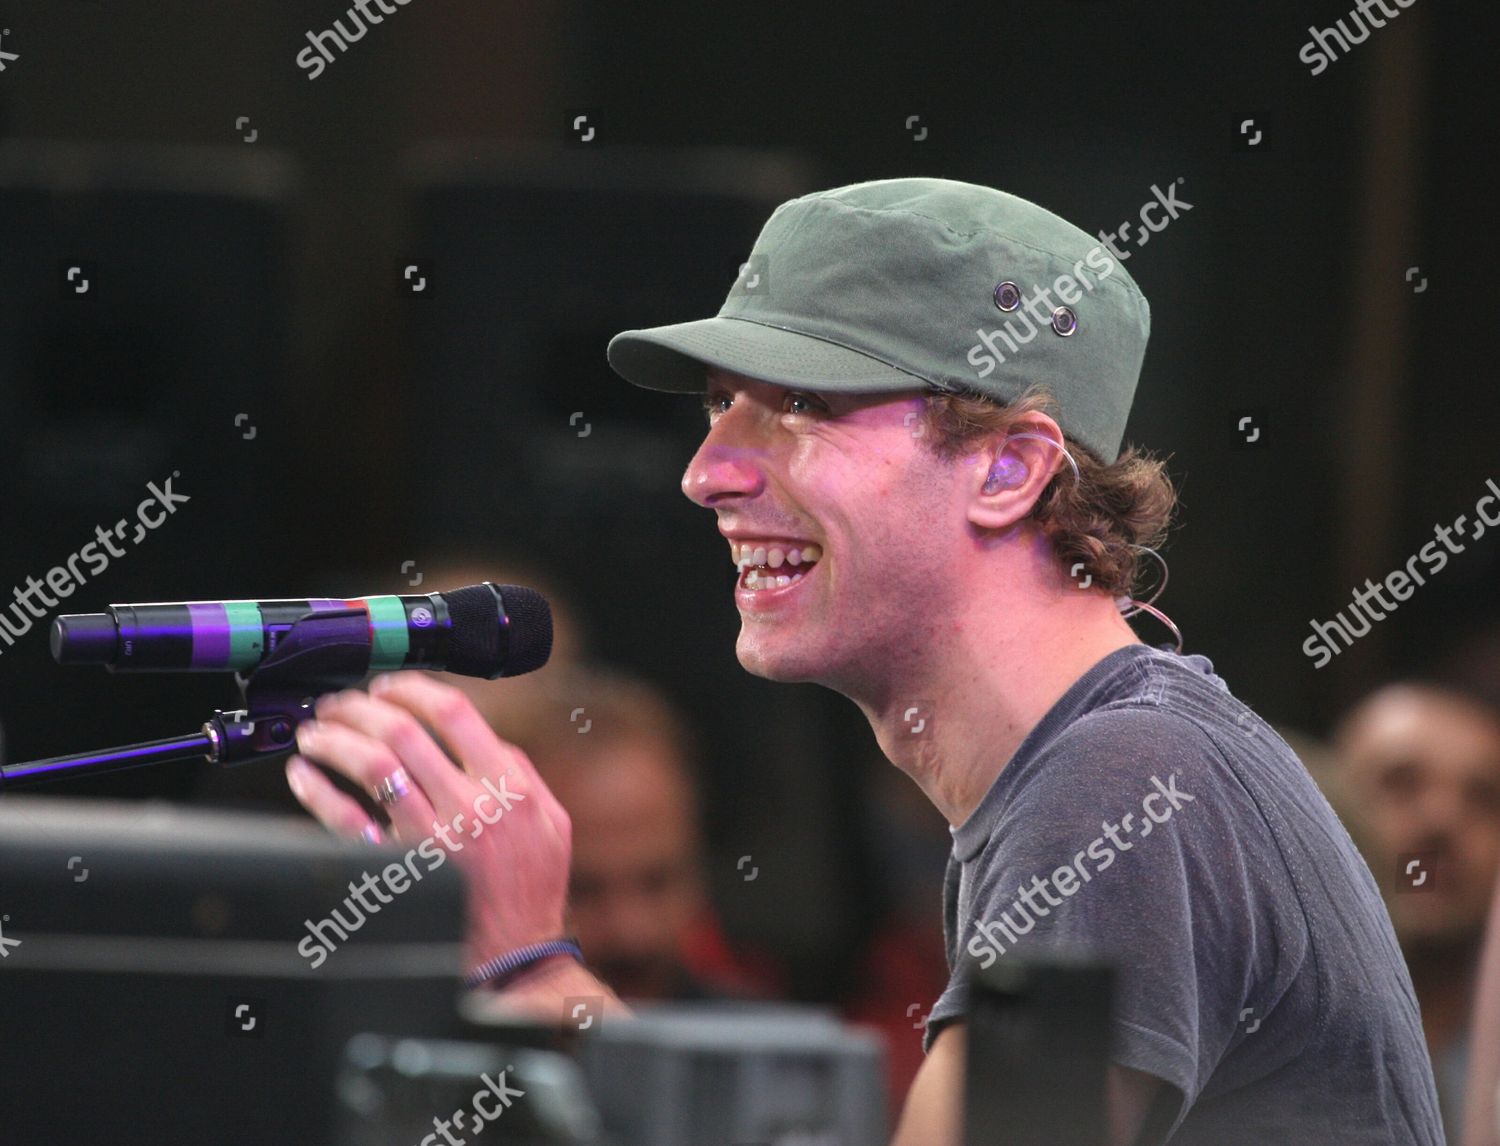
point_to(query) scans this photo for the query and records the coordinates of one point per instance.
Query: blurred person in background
(638, 895)
(621, 760)
(1420, 771)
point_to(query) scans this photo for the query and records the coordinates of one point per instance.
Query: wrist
(508, 967)
(547, 993)
(534, 974)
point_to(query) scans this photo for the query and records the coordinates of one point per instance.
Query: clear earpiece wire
(1129, 607)
(1050, 442)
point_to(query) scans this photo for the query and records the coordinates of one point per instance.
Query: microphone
(484, 630)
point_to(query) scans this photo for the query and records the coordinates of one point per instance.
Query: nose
(729, 463)
(1442, 809)
(627, 923)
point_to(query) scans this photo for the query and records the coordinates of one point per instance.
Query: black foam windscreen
(529, 625)
(498, 630)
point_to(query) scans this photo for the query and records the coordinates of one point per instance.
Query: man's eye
(714, 403)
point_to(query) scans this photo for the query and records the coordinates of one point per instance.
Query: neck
(995, 679)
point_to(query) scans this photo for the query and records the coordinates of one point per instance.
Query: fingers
(452, 715)
(368, 762)
(369, 739)
(518, 872)
(337, 812)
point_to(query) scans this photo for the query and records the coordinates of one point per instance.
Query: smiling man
(949, 537)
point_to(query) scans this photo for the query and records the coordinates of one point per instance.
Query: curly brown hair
(1095, 520)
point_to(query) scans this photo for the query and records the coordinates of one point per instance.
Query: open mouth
(767, 568)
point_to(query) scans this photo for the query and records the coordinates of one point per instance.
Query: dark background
(263, 278)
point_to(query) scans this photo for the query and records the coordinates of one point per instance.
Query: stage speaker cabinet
(396, 1092)
(144, 299)
(529, 261)
(736, 1074)
(159, 983)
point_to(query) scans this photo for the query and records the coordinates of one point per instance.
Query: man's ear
(1010, 473)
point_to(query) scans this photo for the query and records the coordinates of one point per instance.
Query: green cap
(898, 284)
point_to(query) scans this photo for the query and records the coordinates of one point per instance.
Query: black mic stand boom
(321, 652)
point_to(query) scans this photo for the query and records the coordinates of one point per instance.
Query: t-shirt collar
(970, 836)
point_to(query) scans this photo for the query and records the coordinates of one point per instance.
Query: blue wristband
(502, 968)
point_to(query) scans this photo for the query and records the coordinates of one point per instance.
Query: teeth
(756, 579)
(773, 557)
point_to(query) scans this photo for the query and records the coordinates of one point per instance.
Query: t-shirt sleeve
(1124, 841)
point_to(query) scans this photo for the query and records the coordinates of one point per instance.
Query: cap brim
(674, 358)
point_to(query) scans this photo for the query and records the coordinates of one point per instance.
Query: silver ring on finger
(393, 787)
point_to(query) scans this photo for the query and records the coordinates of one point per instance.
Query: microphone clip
(320, 652)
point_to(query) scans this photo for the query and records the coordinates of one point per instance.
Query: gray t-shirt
(1152, 819)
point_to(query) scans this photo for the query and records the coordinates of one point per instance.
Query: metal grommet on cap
(1064, 321)
(1007, 296)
